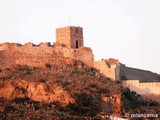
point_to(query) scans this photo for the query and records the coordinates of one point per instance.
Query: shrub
(103, 90)
(93, 85)
(64, 84)
(2, 100)
(42, 80)
(85, 104)
(8, 69)
(47, 65)
(10, 108)
(21, 100)
(58, 105)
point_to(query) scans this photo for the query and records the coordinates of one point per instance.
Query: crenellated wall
(143, 87)
(28, 54)
(69, 45)
(39, 55)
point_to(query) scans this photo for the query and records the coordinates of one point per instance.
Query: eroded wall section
(109, 68)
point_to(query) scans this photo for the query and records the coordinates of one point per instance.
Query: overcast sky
(128, 30)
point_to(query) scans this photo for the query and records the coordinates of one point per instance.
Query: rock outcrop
(41, 92)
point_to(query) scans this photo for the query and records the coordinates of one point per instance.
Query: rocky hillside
(69, 90)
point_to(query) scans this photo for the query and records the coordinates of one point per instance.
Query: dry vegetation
(85, 85)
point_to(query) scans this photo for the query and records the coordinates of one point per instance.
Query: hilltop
(65, 90)
(63, 81)
(69, 44)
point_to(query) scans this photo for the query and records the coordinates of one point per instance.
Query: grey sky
(127, 30)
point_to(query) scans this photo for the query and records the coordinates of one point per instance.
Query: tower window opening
(76, 30)
(76, 43)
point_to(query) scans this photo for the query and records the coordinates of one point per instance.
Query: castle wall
(84, 54)
(137, 74)
(39, 55)
(69, 44)
(35, 56)
(29, 55)
(143, 87)
(111, 72)
(117, 71)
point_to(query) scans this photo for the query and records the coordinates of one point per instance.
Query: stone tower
(70, 36)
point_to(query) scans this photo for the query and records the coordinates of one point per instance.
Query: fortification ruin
(143, 87)
(69, 44)
(109, 67)
(71, 37)
(141, 81)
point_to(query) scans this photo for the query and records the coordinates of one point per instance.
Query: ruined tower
(70, 36)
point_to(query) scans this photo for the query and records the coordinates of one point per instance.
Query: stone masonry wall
(63, 36)
(28, 55)
(128, 73)
(105, 70)
(84, 54)
(39, 55)
(76, 36)
(143, 87)
(68, 36)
